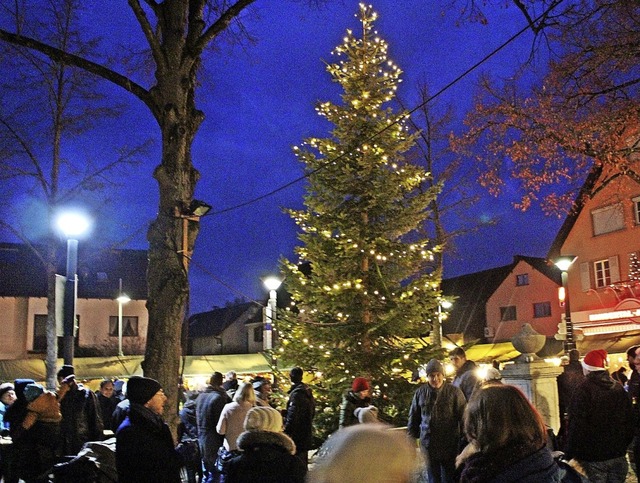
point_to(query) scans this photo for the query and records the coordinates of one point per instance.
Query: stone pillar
(533, 376)
(537, 380)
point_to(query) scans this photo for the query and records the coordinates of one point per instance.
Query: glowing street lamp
(122, 299)
(72, 225)
(437, 331)
(563, 263)
(272, 284)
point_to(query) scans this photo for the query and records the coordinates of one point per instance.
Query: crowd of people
(468, 430)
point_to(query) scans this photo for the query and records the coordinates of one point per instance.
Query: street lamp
(272, 284)
(563, 263)
(72, 225)
(122, 299)
(437, 330)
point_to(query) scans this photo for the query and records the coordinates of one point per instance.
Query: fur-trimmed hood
(250, 439)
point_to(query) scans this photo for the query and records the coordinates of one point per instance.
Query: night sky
(259, 102)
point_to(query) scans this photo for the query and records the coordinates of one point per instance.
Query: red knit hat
(595, 360)
(360, 384)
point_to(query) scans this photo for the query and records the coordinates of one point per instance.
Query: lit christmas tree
(367, 302)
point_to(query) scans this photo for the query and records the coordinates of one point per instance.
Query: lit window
(522, 279)
(542, 309)
(129, 326)
(608, 219)
(602, 271)
(508, 313)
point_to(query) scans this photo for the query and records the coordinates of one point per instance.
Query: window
(508, 312)
(40, 333)
(636, 209)
(542, 309)
(608, 219)
(129, 326)
(522, 279)
(257, 334)
(602, 273)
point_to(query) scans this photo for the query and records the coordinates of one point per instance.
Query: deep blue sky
(259, 102)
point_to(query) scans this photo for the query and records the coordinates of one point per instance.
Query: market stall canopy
(127, 366)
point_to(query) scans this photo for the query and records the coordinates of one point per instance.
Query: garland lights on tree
(365, 291)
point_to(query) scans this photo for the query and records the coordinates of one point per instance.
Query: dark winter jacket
(571, 377)
(351, 401)
(119, 414)
(107, 406)
(466, 379)
(266, 457)
(81, 419)
(188, 419)
(145, 451)
(209, 405)
(600, 419)
(512, 465)
(298, 423)
(435, 416)
(34, 450)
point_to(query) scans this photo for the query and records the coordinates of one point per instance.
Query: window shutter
(613, 269)
(584, 276)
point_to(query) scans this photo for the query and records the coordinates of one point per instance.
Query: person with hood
(145, 451)
(507, 439)
(466, 378)
(301, 408)
(600, 423)
(435, 418)
(267, 453)
(357, 397)
(81, 414)
(34, 440)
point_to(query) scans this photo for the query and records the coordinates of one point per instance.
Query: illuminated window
(508, 312)
(608, 219)
(602, 273)
(129, 326)
(522, 279)
(542, 309)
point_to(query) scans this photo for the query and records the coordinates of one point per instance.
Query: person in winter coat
(600, 423)
(267, 453)
(369, 453)
(435, 417)
(209, 406)
(107, 402)
(81, 415)
(231, 422)
(571, 377)
(301, 408)
(145, 450)
(357, 397)
(509, 439)
(34, 441)
(465, 378)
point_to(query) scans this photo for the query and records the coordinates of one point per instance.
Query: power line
(402, 116)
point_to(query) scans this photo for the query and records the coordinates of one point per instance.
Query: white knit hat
(263, 418)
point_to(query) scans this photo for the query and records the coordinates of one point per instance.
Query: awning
(127, 366)
(499, 351)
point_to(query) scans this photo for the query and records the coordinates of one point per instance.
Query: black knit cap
(141, 389)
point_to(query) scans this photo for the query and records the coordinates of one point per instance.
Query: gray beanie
(263, 418)
(434, 365)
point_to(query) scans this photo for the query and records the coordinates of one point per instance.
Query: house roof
(468, 313)
(23, 274)
(214, 322)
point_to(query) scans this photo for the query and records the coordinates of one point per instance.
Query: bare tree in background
(45, 103)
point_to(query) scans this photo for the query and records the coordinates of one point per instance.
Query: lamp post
(563, 263)
(272, 284)
(122, 299)
(72, 225)
(437, 331)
